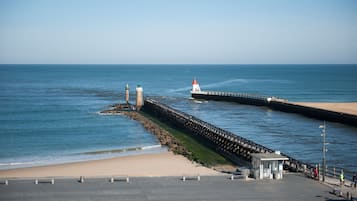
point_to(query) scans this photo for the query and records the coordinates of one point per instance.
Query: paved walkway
(292, 187)
(346, 188)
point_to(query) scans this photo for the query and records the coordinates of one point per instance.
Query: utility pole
(324, 150)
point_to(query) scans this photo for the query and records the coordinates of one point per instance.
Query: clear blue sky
(181, 31)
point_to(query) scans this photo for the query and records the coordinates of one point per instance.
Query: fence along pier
(228, 144)
(277, 104)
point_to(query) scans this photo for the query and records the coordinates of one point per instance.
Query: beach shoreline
(173, 162)
(144, 165)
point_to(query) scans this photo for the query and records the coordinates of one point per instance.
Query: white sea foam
(180, 89)
(11, 165)
(17, 163)
(151, 147)
(228, 82)
(109, 114)
(89, 156)
(224, 83)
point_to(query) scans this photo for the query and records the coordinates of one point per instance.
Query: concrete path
(347, 188)
(292, 187)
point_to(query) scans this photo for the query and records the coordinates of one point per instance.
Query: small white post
(52, 181)
(111, 180)
(127, 179)
(198, 178)
(183, 178)
(36, 181)
(232, 177)
(81, 179)
(6, 182)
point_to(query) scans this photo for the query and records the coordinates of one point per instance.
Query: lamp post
(324, 150)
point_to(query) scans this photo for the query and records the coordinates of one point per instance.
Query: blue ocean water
(49, 113)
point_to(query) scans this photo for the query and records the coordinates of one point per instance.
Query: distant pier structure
(127, 106)
(274, 103)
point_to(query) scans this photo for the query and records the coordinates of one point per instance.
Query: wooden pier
(279, 104)
(228, 144)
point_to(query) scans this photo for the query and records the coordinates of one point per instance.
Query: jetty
(345, 115)
(232, 146)
(186, 187)
(237, 149)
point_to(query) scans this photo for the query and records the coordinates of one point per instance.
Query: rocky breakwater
(164, 137)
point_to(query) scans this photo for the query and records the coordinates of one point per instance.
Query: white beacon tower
(195, 87)
(139, 97)
(127, 94)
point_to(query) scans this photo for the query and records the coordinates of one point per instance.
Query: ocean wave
(228, 82)
(109, 114)
(83, 156)
(240, 80)
(151, 147)
(180, 89)
(18, 163)
(113, 151)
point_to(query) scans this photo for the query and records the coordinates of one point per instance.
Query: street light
(324, 150)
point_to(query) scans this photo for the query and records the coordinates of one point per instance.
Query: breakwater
(278, 104)
(228, 144)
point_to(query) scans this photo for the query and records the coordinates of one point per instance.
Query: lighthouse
(195, 87)
(127, 94)
(139, 97)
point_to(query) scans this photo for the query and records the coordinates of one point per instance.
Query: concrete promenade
(292, 187)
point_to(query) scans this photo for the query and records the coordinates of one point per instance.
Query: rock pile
(164, 137)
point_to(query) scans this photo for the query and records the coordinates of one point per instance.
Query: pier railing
(230, 145)
(244, 98)
(335, 172)
(278, 104)
(235, 94)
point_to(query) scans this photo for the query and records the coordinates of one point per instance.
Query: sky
(178, 32)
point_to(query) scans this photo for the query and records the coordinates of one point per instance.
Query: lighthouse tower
(195, 87)
(139, 97)
(127, 94)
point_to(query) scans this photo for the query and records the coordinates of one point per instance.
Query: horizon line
(178, 64)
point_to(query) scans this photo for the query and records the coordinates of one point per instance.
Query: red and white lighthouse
(195, 87)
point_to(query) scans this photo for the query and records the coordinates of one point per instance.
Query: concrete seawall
(278, 104)
(234, 147)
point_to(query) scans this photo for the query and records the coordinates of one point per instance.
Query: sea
(49, 114)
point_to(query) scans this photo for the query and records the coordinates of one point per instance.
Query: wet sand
(348, 107)
(145, 165)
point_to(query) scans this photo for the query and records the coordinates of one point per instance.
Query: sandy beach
(348, 107)
(147, 165)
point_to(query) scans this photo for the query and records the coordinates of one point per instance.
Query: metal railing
(235, 94)
(183, 118)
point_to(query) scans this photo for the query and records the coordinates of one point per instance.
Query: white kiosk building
(268, 165)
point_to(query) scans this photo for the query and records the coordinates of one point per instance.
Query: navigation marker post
(324, 150)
